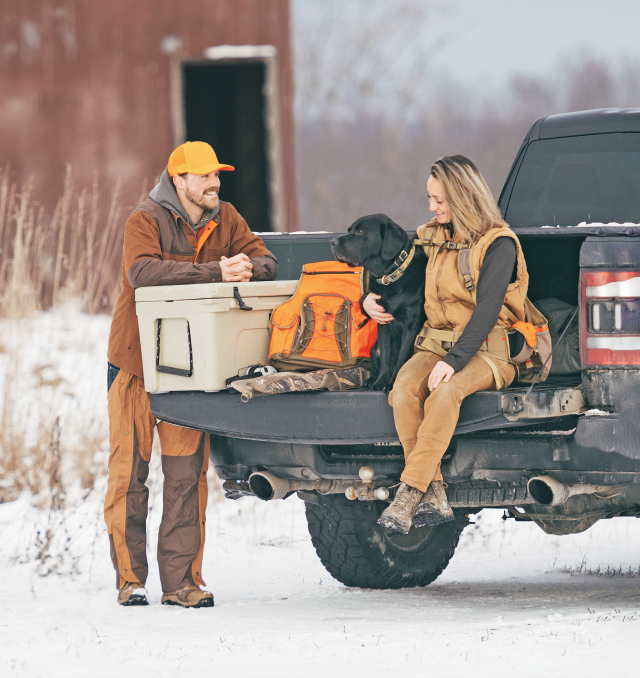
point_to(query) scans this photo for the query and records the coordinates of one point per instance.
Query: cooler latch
(240, 300)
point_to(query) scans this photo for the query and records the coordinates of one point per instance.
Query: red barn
(115, 86)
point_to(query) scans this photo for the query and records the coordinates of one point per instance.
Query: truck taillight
(610, 318)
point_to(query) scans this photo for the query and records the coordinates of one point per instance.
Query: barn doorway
(229, 101)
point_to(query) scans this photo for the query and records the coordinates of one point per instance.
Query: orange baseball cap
(195, 157)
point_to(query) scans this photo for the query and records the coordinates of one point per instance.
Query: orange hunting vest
(322, 325)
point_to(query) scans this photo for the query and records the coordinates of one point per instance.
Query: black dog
(384, 249)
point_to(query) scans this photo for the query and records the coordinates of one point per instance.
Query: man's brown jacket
(159, 249)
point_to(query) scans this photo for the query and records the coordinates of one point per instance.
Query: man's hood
(165, 194)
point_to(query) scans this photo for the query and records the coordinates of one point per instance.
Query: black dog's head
(373, 241)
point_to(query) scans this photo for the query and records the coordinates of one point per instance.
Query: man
(182, 233)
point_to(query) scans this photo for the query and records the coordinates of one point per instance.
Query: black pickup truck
(564, 455)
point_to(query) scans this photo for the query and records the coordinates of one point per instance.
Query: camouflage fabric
(287, 382)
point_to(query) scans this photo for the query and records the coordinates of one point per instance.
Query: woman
(476, 284)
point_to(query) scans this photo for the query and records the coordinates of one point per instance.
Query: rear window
(564, 182)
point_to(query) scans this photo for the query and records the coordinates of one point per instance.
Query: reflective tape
(615, 343)
(618, 288)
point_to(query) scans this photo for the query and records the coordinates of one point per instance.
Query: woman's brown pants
(425, 421)
(185, 456)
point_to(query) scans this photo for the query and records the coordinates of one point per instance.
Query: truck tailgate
(351, 417)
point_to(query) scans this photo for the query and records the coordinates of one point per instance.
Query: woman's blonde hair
(473, 209)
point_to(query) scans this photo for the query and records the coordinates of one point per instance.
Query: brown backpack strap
(512, 316)
(465, 269)
(425, 243)
(364, 282)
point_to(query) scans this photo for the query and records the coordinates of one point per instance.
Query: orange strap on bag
(322, 325)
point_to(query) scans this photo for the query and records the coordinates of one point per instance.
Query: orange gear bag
(322, 325)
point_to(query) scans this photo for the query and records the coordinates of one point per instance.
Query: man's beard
(206, 202)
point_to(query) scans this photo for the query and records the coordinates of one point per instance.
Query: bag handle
(177, 371)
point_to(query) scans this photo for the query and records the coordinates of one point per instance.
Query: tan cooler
(193, 337)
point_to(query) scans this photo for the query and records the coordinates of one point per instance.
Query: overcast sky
(498, 37)
(476, 44)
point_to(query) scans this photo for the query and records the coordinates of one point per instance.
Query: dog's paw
(378, 385)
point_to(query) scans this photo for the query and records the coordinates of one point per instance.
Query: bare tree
(590, 84)
(356, 157)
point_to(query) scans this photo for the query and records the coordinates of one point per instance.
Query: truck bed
(355, 417)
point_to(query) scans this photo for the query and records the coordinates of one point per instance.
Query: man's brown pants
(425, 421)
(185, 456)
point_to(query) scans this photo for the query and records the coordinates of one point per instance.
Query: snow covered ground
(512, 599)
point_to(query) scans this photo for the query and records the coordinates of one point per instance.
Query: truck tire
(358, 552)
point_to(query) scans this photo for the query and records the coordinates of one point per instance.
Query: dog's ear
(394, 239)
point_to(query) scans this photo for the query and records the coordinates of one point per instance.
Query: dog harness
(401, 263)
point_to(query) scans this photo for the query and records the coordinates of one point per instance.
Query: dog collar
(401, 263)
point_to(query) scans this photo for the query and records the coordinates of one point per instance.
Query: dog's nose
(334, 242)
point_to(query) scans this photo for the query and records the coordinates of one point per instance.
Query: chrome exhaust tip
(548, 491)
(266, 486)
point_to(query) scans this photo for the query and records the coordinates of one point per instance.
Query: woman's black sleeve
(496, 273)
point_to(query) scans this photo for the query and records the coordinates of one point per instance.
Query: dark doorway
(224, 105)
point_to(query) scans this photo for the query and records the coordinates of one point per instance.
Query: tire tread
(350, 545)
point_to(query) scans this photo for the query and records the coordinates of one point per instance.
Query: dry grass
(34, 455)
(74, 253)
(53, 450)
(44, 261)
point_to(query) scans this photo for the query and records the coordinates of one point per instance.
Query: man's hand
(441, 372)
(375, 311)
(236, 269)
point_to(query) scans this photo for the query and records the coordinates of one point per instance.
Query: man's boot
(132, 594)
(399, 515)
(188, 596)
(434, 507)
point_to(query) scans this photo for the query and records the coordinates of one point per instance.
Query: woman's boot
(399, 514)
(434, 507)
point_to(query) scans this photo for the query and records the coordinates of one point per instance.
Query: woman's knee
(445, 394)
(412, 378)
(508, 373)
(407, 392)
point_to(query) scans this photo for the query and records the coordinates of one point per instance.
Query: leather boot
(132, 594)
(399, 515)
(188, 596)
(434, 507)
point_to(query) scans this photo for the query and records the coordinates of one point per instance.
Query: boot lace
(405, 498)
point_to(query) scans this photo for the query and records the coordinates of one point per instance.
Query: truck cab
(564, 453)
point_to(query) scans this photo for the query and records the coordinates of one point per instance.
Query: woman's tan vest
(453, 270)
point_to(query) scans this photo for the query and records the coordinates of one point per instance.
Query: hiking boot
(399, 515)
(434, 507)
(188, 596)
(132, 594)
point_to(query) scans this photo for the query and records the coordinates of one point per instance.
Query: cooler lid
(259, 288)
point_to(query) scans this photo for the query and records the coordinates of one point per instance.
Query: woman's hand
(441, 372)
(375, 311)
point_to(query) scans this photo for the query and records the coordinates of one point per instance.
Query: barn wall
(88, 82)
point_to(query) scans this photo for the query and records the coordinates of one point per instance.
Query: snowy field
(513, 599)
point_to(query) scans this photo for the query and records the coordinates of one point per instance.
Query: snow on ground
(512, 598)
